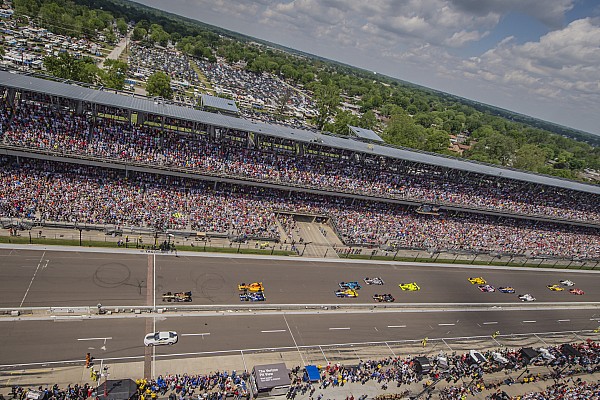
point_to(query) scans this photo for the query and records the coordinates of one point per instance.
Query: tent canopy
(313, 373)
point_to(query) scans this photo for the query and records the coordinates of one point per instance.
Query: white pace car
(567, 282)
(160, 338)
(526, 297)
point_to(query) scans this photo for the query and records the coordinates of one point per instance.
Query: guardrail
(254, 308)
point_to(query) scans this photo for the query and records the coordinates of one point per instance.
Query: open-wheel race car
(252, 296)
(477, 281)
(346, 293)
(411, 286)
(526, 297)
(555, 288)
(487, 288)
(506, 289)
(384, 298)
(576, 291)
(374, 281)
(251, 287)
(179, 297)
(567, 282)
(350, 285)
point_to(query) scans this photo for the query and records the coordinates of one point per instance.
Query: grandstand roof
(76, 92)
(219, 103)
(365, 134)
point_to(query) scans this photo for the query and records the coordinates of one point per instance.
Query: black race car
(384, 298)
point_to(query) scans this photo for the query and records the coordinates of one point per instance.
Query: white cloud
(565, 62)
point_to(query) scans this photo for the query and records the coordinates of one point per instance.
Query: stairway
(319, 239)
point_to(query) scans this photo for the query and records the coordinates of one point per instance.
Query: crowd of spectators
(455, 375)
(63, 192)
(213, 386)
(39, 126)
(577, 390)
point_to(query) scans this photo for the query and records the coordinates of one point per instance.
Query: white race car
(374, 281)
(160, 338)
(526, 297)
(567, 282)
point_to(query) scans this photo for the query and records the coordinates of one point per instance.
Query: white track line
(529, 322)
(490, 323)
(564, 320)
(396, 326)
(195, 334)
(339, 329)
(274, 331)
(32, 278)
(96, 338)
(446, 324)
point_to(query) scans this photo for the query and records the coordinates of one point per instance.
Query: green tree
(327, 99)
(26, 7)
(402, 131)
(368, 120)
(342, 120)
(68, 67)
(530, 157)
(121, 26)
(159, 84)
(437, 140)
(113, 75)
(494, 148)
(138, 33)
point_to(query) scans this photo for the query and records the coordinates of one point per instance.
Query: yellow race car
(251, 287)
(555, 288)
(477, 281)
(411, 287)
(346, 293)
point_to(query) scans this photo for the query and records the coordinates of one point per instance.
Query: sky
(535, 57)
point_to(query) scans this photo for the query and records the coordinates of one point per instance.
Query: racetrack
(44, 278)
(53, 278)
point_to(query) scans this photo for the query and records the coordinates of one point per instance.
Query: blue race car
(506, 289)
(252, 296)
(350, 285)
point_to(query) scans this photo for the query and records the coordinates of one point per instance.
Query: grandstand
(369, 192)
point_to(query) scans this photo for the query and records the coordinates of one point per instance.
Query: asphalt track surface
(31, 278)
(49, 278)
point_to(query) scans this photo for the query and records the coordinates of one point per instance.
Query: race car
(384, 298)
(253, 296)
(506, 289)
(477, 281)
(487, 288)
(374, 281)
(346, 293)
(411, 287)
(567, 282)
(180, 297)
(555, 288)
(526, 297)
(251, 287)
(576, 291)
(350, 285)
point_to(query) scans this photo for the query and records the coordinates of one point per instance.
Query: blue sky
(535, 57)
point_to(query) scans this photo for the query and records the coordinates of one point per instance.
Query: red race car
(576, 291)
